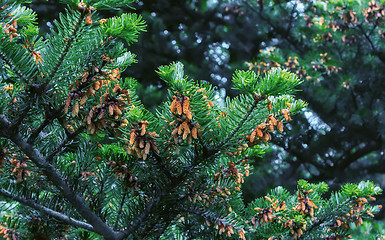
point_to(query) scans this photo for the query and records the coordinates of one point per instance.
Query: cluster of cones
(109, 110)
(122, 172)
(305, 204)
(265, 215)
(11, 29)
(142, 141)
(184, 128)
(261, 132)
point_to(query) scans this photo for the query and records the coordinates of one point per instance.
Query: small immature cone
(111, 110)
(185, 134)
(68, 101)
(259, 132)
(89, 20)
(175, 131)
(141, 143)
(285, 113)
(116, 88)
(280, 126)
(179, 107)
(132, 137)
(97, 85)
(180, 129)
(189, 115)
(147, 148)
(253, 134)
(88, 119)
(186, 127)
(143, 131)
(102, 113)
(155, 148)
(83, 100)
(186, 105)
(75, 109)
(173, 105)
(273, 120)
(271, 127)
(117, 110)
(194, 133)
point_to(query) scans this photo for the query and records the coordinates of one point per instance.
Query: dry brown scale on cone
(296, 229)
(305, 204)
(261, 132)
(109, 110)
(142, 140)
(184, 127)
(124, 174)
(227, 230)
(265, 215)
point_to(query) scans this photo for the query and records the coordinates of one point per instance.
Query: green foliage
(126, 26)
(81, 157)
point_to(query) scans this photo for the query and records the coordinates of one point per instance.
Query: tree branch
(360, 152)
(64, 142)
(142, 217)
(244, 119)
(67, 48)
(57, 179)
(13, 67)
(120, 209)
(375, 51)
(59, 216)
(323, 219)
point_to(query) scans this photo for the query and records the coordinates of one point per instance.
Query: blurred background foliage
(335, 46)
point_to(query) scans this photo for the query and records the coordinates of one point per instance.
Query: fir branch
(374, 49)
(322, 220)
(56, 178)
(244, 119)
(67, 47)
(21, 116)
(141, 218)
(279, 30)
(36, 133)
(120, 209)
(69, 138)
(13, 67)
(59, 216)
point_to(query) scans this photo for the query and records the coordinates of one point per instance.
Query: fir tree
(82, 158)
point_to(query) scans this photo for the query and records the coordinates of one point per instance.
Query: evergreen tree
(82, 158)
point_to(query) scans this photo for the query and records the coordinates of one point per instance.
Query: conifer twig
(58, 148)
(120, 209)
(67, 48)
(13, 67)
(323, 219)
(244, 119)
